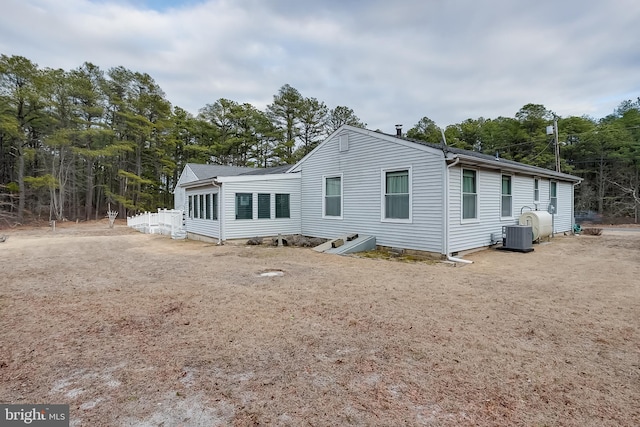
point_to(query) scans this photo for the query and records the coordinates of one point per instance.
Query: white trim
(248, 178)
(383, 194)
(324, 194)
(536, 180)
(511, 181)
(475, 220)
(551, 182)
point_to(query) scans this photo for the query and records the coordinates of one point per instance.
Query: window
(244, 206)
(536, 190)
(190, 206)
(196, 208)
(214, 206)
(264, 206)
(553, 197)
(282, 206)
(469, 194)
(333, 196)
(207, 199)
(397, 200)
(202, 207)
(505, 203)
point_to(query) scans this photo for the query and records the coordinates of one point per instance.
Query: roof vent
(398, 130)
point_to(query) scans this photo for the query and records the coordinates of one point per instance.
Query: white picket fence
(165, 221)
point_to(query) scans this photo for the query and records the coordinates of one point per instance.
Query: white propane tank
(540, 222)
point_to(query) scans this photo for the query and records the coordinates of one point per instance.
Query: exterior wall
(465, 235)
(563, 221)
(247, 228)
(179, 193)
(202, 227)
(361, 169)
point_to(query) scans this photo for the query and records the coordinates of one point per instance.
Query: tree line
(74, 142)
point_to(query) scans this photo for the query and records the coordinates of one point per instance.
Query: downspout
(446, 215)
(219, 187)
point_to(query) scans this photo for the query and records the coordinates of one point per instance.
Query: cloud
(391, 62)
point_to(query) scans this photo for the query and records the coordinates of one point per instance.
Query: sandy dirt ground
(141, 330)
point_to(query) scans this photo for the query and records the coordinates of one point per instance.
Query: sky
(392, 62)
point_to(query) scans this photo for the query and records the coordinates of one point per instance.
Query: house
(408, 194)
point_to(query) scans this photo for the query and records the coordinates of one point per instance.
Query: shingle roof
(269, 171)
(486, 158)
(209, 171)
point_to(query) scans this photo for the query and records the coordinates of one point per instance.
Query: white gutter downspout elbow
(213, 182)
(446, 217)
(460, 260)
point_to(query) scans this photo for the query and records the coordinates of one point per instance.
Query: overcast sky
(390, 61)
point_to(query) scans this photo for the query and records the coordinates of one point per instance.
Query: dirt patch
(141, 330)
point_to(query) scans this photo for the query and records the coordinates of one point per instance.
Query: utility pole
(553, 130)
(555, 133)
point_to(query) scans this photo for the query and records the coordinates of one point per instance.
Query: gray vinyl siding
(468, 234)
(362, 199)
(203, 227)
(465, 235)
(247, 228)
(563, 221)
(179, 193)
(522, 195)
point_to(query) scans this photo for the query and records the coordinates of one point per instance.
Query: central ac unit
(517, 238)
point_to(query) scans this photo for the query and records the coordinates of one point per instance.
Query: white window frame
(275, 207)
(253, 205)
(196, 206)
(324, 195)
(383, 194)
(464, 220)
(502, 175)
(258, 203)
(214, 206)
(551, 184)
(536, 191)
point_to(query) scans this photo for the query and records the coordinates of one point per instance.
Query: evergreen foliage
(71, 142)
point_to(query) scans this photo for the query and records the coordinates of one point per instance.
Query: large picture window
(282, 206)
(264, 206)
(244, 206)
(469, 194)
(397, 194)
(333, 196)
(506, 201)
